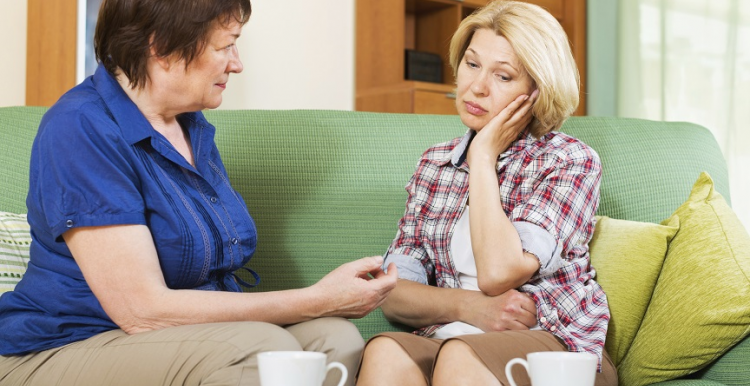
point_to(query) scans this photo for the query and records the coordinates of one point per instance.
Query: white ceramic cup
(557, 368)
(296, 368)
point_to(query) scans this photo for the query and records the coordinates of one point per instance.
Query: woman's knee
(386, 362)
(384, 352)
(330, 335)
(338, 338)
(247, 338)
(458, 364)
(264, 337)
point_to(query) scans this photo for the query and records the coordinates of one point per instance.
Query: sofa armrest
(732, 367)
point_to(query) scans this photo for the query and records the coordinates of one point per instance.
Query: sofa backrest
(18, 127)
(326, 187)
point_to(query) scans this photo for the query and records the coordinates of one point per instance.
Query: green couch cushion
(627, 257)
(648, 166)
(18, 127)
(700, 305)
(15, 240)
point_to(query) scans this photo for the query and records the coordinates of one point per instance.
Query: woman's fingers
(514, 106)
(521, 112)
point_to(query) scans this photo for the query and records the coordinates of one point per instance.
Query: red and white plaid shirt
(549, 189)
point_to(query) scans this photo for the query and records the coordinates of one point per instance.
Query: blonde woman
(492, 251)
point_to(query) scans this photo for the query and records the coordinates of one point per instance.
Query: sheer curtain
(689, 60)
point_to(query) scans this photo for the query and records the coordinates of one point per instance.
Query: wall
(13, 48)
(298, 54)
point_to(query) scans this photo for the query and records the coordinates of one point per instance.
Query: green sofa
(326, 187)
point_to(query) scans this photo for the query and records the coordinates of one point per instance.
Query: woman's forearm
(122, 269)
(418, 305)
(501, 262)
(184, 307)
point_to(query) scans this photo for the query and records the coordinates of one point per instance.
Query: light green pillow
(15, 239)
(627, 257)
(701, 303)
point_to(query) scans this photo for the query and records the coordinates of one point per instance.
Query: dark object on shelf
(423, 66)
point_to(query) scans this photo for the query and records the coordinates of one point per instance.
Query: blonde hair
(542, 48)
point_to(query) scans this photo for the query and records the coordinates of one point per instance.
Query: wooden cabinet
(387, 28)
(50, 50)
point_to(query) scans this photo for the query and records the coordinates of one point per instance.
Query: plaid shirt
(549, 189)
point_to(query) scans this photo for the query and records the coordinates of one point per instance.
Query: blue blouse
(97, 161)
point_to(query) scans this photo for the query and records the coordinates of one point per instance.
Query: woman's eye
(502, 77)
(229, 47)
(471, 64)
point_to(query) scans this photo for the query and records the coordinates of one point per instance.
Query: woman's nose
(479, 85)
(235, 64)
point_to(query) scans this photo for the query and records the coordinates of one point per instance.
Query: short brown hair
(127, 29)
(543, 49)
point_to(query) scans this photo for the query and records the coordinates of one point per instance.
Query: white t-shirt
(463, 261)
(466, 267)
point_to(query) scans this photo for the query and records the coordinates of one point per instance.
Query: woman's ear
(165, 62)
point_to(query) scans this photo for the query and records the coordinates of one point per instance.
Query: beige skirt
(495, 349)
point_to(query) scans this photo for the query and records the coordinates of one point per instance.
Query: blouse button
(69, 223)
(214, 199)
(553, 328)
(235, 240)
(543, 319)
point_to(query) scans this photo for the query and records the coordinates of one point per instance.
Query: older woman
(492, 250)
(137, 232)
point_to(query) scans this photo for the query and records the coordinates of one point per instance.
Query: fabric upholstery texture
(628, 257)
(17, 130)
(732, 368)
(15, 240)
(700, 305)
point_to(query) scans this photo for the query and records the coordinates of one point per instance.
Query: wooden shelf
(386, 28)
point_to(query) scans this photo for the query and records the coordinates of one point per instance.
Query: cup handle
(514, 361)
(342, 368)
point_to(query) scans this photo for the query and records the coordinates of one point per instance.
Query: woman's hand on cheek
(502, 130)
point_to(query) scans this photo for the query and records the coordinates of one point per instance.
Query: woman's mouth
(222, 85)
(474, 109)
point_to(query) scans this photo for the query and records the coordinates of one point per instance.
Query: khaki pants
(204, 354)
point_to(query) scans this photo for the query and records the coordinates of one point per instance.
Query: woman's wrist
(481, 159)
(313, 302)
(464, 306)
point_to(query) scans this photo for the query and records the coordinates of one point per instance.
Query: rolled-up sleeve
(408, 267)
(406, 250)
(557, 217)
(540, 243)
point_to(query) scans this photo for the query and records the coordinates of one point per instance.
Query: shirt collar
(457, 156)
(134, 125)
(131, 121)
